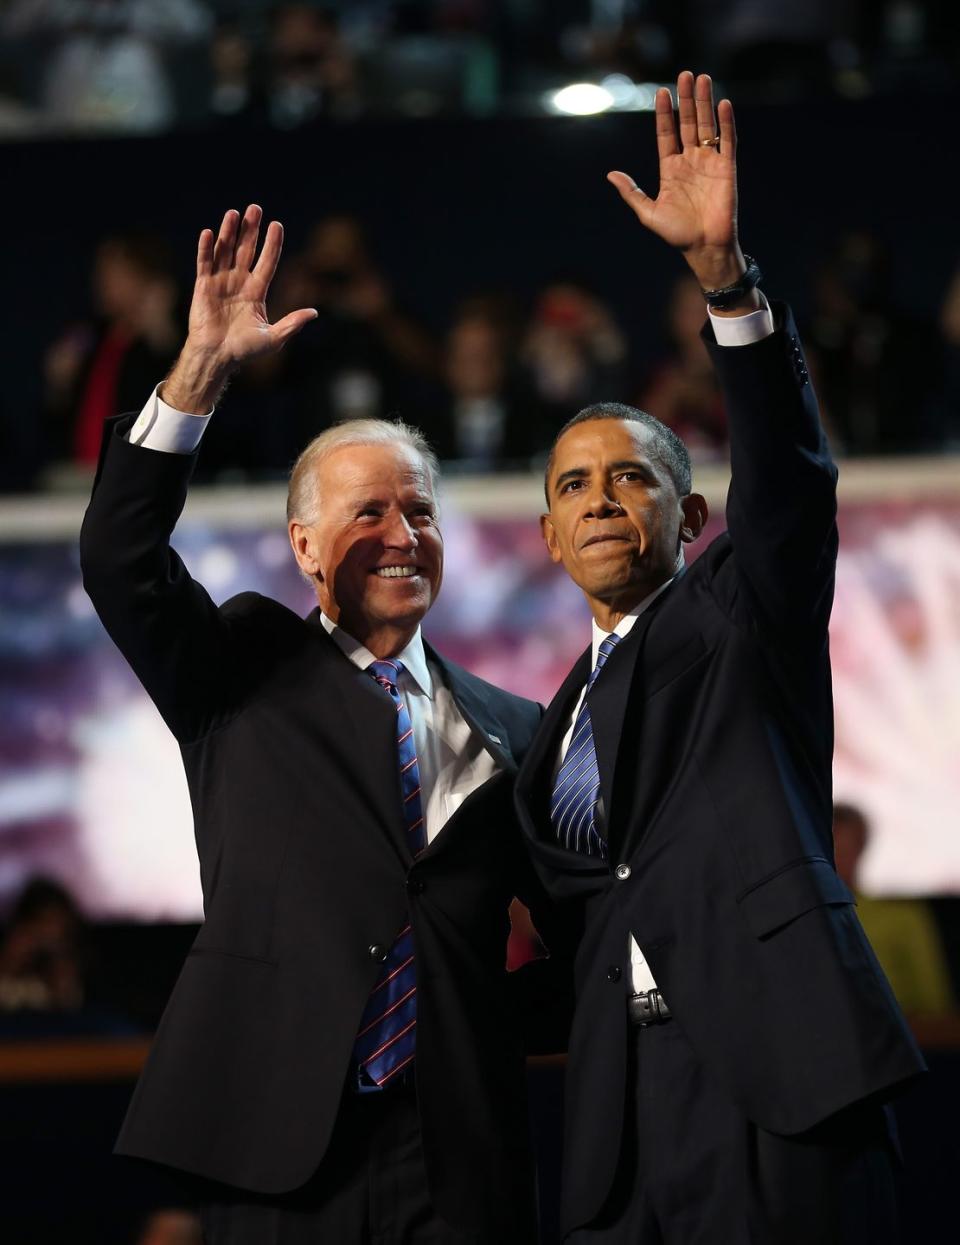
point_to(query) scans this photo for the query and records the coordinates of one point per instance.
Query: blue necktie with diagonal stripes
(386, 1039)
(576, 791)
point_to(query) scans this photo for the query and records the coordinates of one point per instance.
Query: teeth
(396, 572)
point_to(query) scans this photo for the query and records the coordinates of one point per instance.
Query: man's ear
(301, 540)
(695, 515)
(549, 533)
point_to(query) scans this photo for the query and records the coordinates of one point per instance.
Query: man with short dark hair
(734, 1032)
(341, 1058)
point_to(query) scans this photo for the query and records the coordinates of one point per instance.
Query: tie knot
(603, 652)
(385, 672)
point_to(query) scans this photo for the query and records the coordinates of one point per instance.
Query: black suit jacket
(290, 757)
(714, 734)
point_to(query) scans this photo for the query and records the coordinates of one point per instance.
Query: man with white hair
(340, 1059)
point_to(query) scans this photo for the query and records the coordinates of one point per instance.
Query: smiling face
(616, 519)
(375, 552)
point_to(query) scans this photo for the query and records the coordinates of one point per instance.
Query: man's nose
(398, 534)
(599, 503)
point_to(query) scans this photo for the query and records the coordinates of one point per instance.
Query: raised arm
(180, 645)
(781, 507)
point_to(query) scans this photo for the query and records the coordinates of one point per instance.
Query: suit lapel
(367, 726)
(608, 705)
(476, 710)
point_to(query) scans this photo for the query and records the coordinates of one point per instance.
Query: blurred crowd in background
(492, 390)
(149, 65)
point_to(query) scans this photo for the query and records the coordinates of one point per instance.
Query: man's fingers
(703, 101)
(205, 253)
(226, 240)
(291, 324)
(247, 238)
(631, 194)
(667, 144)
(266, 265)
(728, 130)
(687, 109)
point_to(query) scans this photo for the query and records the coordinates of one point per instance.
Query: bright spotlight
(581, 99)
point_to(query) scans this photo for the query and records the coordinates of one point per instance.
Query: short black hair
(671, 449)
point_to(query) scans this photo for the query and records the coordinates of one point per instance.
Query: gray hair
(303, 491)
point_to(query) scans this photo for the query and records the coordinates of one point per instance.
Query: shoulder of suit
(256, 614)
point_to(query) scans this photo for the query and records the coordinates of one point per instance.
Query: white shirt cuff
(160, 427)
(743, 330)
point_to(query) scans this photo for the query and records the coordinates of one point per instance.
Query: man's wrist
(717, 268)
(196, 380)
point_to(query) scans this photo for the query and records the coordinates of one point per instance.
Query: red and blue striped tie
(386, 1040)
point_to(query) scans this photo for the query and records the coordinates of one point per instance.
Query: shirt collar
(625, 625)
(414, 656)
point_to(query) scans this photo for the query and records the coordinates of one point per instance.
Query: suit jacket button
(623, 872)
(416, 886)
(377, 952)
(613, 973)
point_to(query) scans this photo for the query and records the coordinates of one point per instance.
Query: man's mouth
(396, 572)
(601, 538)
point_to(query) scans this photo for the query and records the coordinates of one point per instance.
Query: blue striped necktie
(576, 791)
(386, 1040)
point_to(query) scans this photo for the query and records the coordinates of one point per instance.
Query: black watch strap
(730, 295)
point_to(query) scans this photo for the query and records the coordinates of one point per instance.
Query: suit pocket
(222, 953)
(799, 887)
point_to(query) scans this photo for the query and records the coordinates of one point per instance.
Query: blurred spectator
(111, 363)
(233, 90)
(574, 353)
(312, 71)
(103, 61)
(485, 421)
(876, 368)
(172, 1227)
(902, 932)
(682, 390)
(41, 952)
(362, 357)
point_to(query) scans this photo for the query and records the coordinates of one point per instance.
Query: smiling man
(340, 1060)
(733, 1034)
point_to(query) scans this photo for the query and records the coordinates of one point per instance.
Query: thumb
(632, 195)
(291, 324)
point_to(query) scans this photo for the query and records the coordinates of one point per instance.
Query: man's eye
(571, 485)
(368, 512)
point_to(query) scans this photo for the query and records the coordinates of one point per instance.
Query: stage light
(581, 99)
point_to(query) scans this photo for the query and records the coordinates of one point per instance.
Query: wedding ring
(710, 142)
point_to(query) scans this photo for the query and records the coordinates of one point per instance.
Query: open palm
(696, 207)
(228, 315)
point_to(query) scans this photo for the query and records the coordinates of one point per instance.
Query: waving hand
(696, 207)
(228, 315)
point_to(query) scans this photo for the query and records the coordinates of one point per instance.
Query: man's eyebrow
(633, 464)
(573, 473)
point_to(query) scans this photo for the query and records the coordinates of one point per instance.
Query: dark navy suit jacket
(713, 723)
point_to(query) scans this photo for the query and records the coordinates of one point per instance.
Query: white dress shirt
(451, 756)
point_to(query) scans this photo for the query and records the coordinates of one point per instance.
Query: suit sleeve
(781, 508)
(164, 623)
